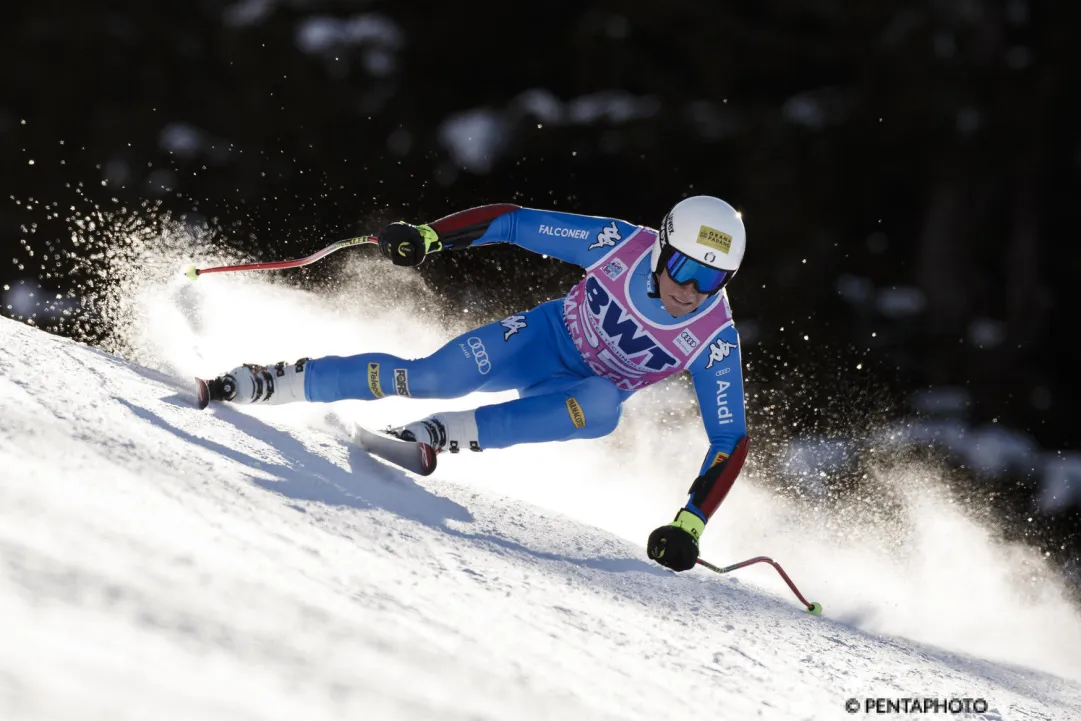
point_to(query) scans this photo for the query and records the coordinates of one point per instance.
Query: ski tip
(202, 394)
(427, 459)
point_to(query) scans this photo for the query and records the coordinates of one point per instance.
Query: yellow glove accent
(432, 243)
(690, 523)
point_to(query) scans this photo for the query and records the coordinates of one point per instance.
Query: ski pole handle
(813, 607)
(193, 272)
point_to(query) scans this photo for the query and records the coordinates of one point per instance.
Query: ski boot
(442, 431)
(250, 383)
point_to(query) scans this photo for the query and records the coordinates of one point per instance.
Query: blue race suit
(560, 396)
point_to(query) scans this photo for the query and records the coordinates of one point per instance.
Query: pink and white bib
(615, 339)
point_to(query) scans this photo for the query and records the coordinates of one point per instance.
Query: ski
(412, 456)
(202, 394)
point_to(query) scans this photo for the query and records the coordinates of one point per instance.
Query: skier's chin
(677, 309)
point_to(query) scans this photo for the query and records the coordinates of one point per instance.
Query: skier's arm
(718, 381)
(578, 239)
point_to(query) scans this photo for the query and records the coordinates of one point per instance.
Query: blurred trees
(907, 169)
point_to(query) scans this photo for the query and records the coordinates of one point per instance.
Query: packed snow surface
(158, 562)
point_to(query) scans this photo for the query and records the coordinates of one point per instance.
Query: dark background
(907, 169)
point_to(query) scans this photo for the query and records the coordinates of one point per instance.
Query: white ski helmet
(702, 239)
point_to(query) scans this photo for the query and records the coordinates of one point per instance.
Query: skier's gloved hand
(676, 545)
(407, 244)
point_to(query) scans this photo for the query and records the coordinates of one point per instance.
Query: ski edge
(418, 458)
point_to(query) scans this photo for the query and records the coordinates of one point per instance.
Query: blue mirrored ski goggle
(684, 269)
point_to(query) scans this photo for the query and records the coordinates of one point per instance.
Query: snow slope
(159, 562)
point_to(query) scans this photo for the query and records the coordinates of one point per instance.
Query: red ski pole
(813, 607)
(193, 272)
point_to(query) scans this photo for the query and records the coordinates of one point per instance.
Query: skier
(651, 304)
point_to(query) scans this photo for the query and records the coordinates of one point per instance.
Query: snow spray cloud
(925, 568)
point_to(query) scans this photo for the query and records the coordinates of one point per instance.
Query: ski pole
(193, 272)
(813, 607)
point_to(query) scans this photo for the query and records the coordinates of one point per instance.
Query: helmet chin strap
(653, 286)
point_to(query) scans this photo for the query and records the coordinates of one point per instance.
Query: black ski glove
(407, 244)
(676, 545)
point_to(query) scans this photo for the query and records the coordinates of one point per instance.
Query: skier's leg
(561, 398)
(588, 408)
(583, 408)
(489, 358)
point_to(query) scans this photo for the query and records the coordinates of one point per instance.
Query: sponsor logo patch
(718, 351)
(724, 416)
(607, 237)
(373, 380)
(718, 458)
(563, 232)
(480, 355)
(686, 342)
(578, 416)
(715, 239)
(614, 269)
(611, 339)
(401, 381)
(621, 331)
(513, 324)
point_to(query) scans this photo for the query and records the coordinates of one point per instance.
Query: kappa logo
(373, 380)
(480, 355)
(718, 351)
(401, 381)
(607, 237)
(513, 324)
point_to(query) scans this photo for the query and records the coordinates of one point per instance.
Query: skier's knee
(424, 378)
(599, 407)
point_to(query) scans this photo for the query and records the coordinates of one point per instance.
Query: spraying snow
(936, 576)
(454, 595)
